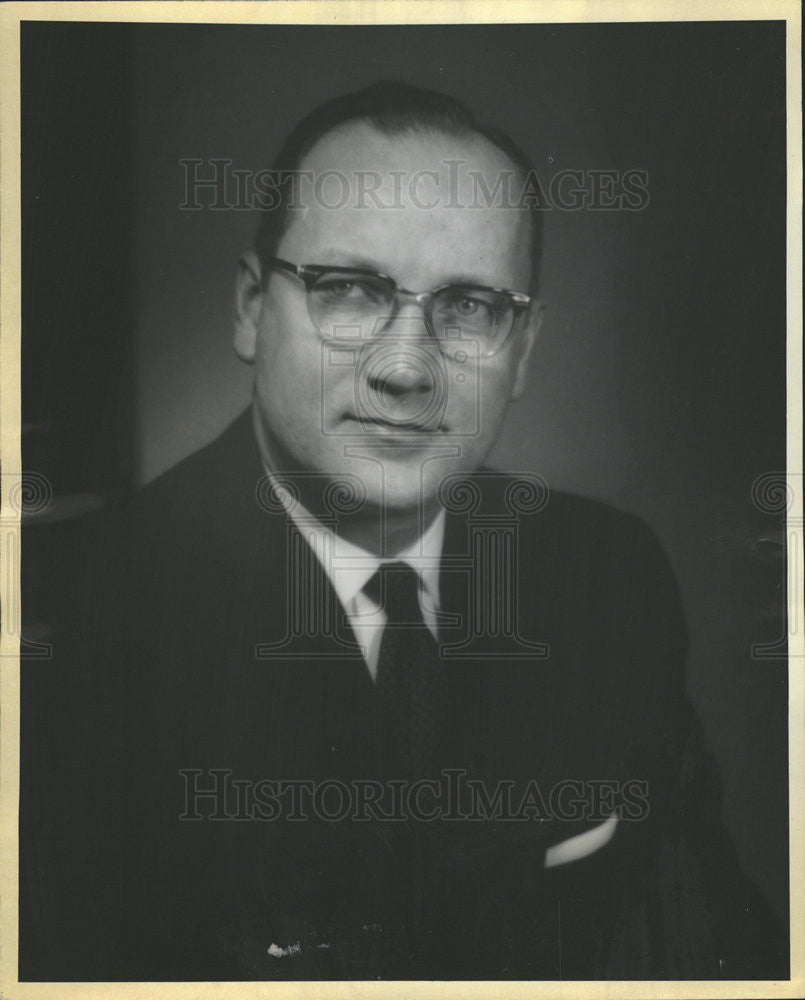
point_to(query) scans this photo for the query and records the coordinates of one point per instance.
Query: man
(333, 700)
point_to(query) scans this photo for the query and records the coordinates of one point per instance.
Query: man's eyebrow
(338, 258)
(463, 278)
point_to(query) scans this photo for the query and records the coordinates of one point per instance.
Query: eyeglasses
(344, 300)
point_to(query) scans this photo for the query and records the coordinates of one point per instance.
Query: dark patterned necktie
(412, 715)
(411, 682)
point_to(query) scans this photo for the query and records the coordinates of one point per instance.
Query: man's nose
(404, 358)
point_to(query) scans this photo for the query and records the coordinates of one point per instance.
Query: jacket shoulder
(538, 508)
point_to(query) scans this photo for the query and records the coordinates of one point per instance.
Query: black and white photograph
(401, 506)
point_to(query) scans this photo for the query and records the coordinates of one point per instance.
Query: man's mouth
(377, 424)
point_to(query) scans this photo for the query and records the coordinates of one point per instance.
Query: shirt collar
(350, 567)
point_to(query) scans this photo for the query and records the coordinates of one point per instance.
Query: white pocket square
(581, 845)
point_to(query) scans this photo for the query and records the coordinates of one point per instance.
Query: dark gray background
(659, 380)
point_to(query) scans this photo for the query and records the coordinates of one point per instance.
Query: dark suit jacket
(182, 658)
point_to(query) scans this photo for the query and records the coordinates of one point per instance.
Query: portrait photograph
(402, 500)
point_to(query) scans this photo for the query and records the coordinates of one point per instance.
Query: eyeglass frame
(309, 273)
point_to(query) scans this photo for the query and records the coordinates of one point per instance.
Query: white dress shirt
(350, 567)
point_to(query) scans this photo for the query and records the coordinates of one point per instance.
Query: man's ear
(529, 338)
(248, 305)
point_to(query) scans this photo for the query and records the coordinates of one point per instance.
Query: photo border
(370, 12)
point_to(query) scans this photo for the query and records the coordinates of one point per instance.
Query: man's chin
(395, 502)
(398, 490)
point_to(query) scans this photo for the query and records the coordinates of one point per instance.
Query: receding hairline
(415, 129)
(474, 142)
(395, 110)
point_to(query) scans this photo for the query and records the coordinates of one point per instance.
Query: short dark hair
(393, 108)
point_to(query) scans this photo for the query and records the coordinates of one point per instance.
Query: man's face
(392, 408)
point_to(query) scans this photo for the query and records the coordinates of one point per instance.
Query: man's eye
(350, 290)
(468, 306)
(338, 289)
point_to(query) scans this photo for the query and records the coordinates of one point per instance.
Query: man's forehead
(404, 158)
(426, 198)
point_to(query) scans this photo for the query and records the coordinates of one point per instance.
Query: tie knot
(395, 587)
